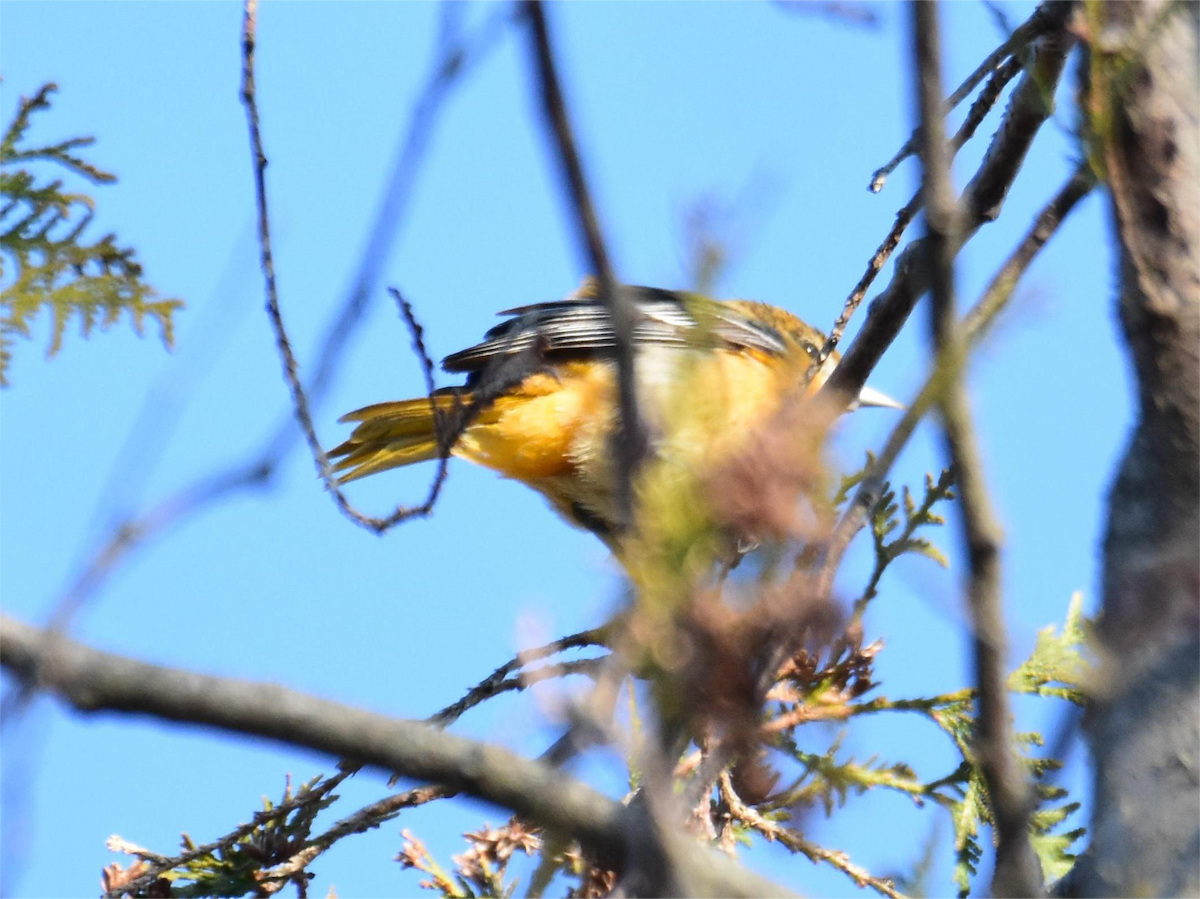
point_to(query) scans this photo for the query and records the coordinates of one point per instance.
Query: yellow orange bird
(546, 382)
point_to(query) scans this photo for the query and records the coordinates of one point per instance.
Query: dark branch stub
(629, 442)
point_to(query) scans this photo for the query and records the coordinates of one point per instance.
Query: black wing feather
(574, 327)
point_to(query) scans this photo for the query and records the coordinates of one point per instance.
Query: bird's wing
(580, 325)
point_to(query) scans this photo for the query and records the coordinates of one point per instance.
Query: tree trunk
(1144, 726)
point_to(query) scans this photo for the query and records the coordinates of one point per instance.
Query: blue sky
(672, 102)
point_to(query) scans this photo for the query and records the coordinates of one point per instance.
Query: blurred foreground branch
(91, 681)
(1016, 872)
(976, 323)
(629, 442)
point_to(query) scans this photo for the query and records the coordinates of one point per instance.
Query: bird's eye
(809, 348)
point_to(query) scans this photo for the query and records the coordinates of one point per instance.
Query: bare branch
(1030, 106)
(500, 680)
(875, 265)
(629, 440)
(133, 531)
(975, 115)
(91, 681)
(1000, 289)
(795, 842)
(1046, 18)
(161, 865)
(366, 818)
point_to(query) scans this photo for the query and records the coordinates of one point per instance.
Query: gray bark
(1144, 727)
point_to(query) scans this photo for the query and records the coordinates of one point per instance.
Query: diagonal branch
(160, 865)
(512, 674)
(1028, 109)
(987, 98)
(454, 59)
(1047, 17)
(976, 323)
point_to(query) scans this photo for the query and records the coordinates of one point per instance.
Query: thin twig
(1028, 109)
(499, 681)
(454, 59)
(629, 440)
(975, 115)
(875, 264)
(375, 814)
(163, 864)
(1016, 871)
(366, 818)
(291, 367)
(1000, 289)
(132, 532)
(1044, 19)
(492, 684)
(91, 680)
(792, 839)
(1030, 106)
(882, 560)
(987, 98)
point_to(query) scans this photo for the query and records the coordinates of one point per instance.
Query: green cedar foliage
(54, 266)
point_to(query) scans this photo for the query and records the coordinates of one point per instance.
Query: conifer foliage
(54, 265)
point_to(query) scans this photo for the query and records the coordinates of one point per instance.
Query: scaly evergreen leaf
(885, 520)
(54, 269)
(1056, 666)
(966, 815)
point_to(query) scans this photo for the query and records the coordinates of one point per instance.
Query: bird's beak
(869, 396)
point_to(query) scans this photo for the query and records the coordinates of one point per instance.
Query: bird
(540, 406)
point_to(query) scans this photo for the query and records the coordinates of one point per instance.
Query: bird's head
(809, 341)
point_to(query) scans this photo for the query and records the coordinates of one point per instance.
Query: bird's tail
(393, 434)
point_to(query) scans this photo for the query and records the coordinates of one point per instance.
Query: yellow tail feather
(390, 435)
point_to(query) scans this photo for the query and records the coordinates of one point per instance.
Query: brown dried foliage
(812, 690)
(594, 882)
(114, 877)
(491, 849)
(727, 649)
(484, 866)
(770, 489)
